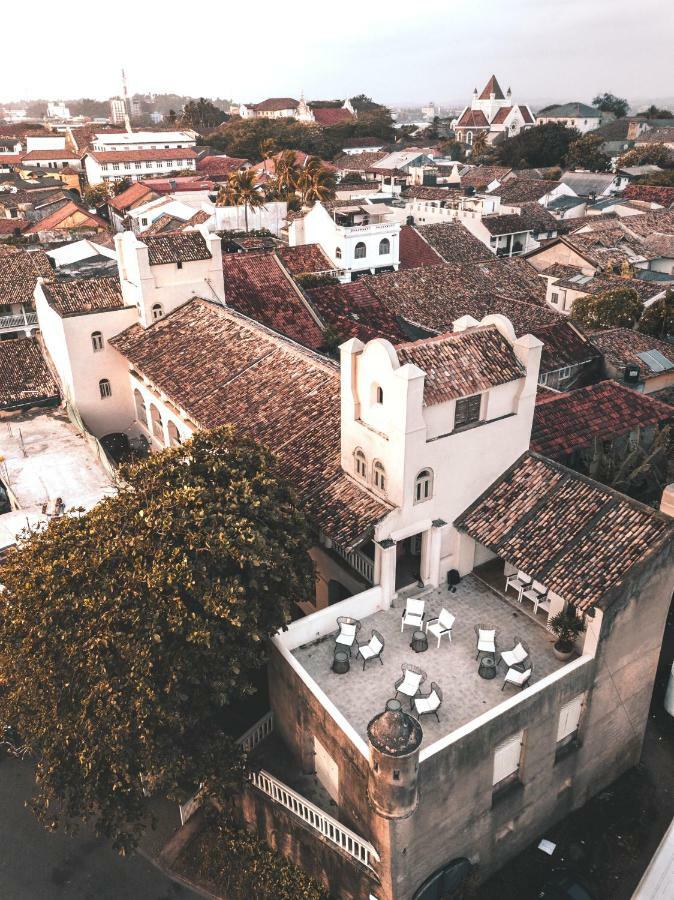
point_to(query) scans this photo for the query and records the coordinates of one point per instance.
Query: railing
(324, 824)
(18, 321)
(373, 226)
(257, 732)
(358, 561)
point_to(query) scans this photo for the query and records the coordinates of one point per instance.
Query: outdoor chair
(536, 593)
(413, 614)
(519, 679)
(348, 630)
(429, 703)
(441, 625)
(517, 655)
(373, 649)
(519, 582)
(410, 682)
(486, 640)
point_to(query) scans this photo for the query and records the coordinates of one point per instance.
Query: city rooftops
(85, 295)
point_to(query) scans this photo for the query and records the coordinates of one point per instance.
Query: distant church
(493, 113)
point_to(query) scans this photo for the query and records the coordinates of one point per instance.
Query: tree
(586, 153)
(201, 114)
(362, 103)
(122, 184)
(171, 117)
(479, 146)
(654, 112)
(544, 145)
(316, 182)
(648, 154)
(618, 307)
(610, 103)
(639, 471)
(658, 318)
(454, 150)
(97, 195)
(286, 173)
(127, 632)
(240, 189)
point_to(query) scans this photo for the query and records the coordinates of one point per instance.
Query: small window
(157, 425)
(507, 758)
(569, 720)
(467, 410)
(378, 394)
(141, 410)
(338, 253)
(379, 476)
(180, 263)
(554, 297)
(143, 221)
(104, 388)
(384, 247)
(423, 486)
(96, 340)
(157, 311)
(361, 251)
(360, 463)
(173, 435)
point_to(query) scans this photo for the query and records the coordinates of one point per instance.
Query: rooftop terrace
(359, 695)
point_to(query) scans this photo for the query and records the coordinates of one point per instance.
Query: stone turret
(394, 738)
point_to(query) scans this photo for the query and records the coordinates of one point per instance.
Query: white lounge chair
(441, 625)
(516, 656)
(373, 649)
(486, 640)
(412, 679)
(413, 614)
(348, 629)
(536, 593)
(519, 679)
(519, 582)
(429, 703)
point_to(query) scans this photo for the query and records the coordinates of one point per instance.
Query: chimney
(667, 500)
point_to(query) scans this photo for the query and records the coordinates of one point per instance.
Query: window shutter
(507, 757)
(569, 717)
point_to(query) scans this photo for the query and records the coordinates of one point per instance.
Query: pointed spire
(492, 87)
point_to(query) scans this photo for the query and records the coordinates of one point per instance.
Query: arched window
(360, 463)
(338, 253)
(361, 251)
(379, 476)
(157, 425)
(96, 340)
(423, 486)
(469, 138)
(173, 435)
(377, 394)
(384, 247)
(141, 410)
(157, 312)
(104, 388)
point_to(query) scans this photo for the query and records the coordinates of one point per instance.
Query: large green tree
(544, 145)
(658, 319)
(648, 154)
(202, 114)
(126, 632)
(618, 307)
(610, 103)
(586, 153)
(241, 189)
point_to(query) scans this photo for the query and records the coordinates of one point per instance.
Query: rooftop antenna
(125, 96)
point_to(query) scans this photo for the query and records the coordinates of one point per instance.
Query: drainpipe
(667, 507)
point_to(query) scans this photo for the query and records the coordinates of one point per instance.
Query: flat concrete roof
(44, 456)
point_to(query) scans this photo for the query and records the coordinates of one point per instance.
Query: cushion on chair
(375, 645)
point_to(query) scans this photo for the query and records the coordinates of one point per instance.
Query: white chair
(519, 679)
(536, 593)
(441, 626)
(519, 583)
(412, 679)
(516, 656)
(486, 640)
(348, 629)
(373, 649)
(413, 614)
(429, 703)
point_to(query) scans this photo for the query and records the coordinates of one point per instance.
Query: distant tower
(394, 739)
(127, 107)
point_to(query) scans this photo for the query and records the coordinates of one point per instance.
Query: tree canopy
(610, 103)
(655, 112)
(586, 153)
(658, 319)
(648, 154)
(126, 632)
(618, 307)
(201, 114)
(544, 145)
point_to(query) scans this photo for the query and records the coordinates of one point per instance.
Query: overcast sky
(395, 51)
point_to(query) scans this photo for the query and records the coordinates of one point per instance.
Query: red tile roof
(24, 374)
(462, 363)
(501, 115)
(472, 118)
(330, 115)
(650, 193)
(526, 114)
(19, 271)
(454, 243)
(492, 87)
(187, 246)
(274, 104)
(564, 345)
(12, 226)
(620, 346)
(116, 156)
(221, 367)
(137, 191)
(580, 539)
(352, 310)
(306, 259)
(480, 177)
(575, 420)
(84, 295)
(257, 286)
(416, 250)
(220, 165)
(54, 221)
(524, 190)
(49, 154)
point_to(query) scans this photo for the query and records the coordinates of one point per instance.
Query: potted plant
(566, 626)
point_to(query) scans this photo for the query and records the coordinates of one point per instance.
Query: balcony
(20, 320)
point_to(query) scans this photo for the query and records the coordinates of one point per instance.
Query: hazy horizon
(543, 50)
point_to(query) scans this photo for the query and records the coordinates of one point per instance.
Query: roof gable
(492, 87)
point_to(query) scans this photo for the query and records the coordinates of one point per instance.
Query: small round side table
(340, 664)
(487, 667)
(419, 642)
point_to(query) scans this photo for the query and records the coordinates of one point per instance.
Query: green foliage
(566, 625)
(619, 307)
(362, 103)
(454, 150)
(544, 145)
(586, 153)
(658, 319)
(610, 103)
(121, 185)
(126, 632)
(640, 471)
(648, 154)
(238, 865)
(96, 196)
(201, 114)
(241, 189)
(658, 179)
(654, 112)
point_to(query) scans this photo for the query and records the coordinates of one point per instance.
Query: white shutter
(327, 770)
(569, 717)
(507, 757)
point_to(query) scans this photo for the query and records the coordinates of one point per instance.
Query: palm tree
(479, 144)
(241, 190)
(267, 148)
(286, 173)
(316, 181)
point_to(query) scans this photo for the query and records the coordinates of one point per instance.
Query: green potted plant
(566, 626)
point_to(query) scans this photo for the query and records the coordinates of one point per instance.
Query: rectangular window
(115, 166)
(137, 165)
(507, 757)
(565, 373)
(467, 410)
(569, 719)
(148, 165)
(554, 297)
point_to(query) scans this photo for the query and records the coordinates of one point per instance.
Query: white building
(492, 113)
(117, 111)
(111, 165)
(57, 110)
(576, 115)
(143, 140)
(358, 237)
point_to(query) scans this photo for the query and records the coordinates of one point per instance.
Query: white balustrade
(358, 561)
(18, 321)
(257, 732)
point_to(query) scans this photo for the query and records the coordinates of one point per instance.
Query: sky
(397, 52)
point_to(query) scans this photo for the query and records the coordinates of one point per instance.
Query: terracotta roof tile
(353, 310)
(472, 118)
(650, 193)
(24, 374)
(54, 221)
(329, 115)
(85, 295)
(187, 246)
(220, 165)
(620, 346)
(524, 190)
(480, 177)
(305, 259)
(454, 243)
(49, 154)
(492, 87)
(578, 538)
(358, 162)
(416, 249)
(161, 153)
(19, 272)
(132, 195)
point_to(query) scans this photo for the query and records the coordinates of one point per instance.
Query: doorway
(408, 561)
